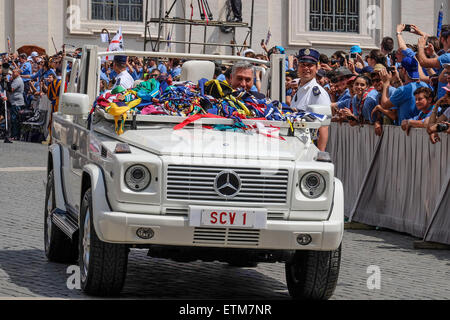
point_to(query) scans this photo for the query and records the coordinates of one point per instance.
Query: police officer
(123, 78)
(309, 91)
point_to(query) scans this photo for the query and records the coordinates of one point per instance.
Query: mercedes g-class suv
(190, 194)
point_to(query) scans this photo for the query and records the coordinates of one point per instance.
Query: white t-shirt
(125, 80)
(310, 94)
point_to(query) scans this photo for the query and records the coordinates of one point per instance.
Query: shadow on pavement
(29, 272)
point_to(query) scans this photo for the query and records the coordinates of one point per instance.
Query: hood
(198, 142)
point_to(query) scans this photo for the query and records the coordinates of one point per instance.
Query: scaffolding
(163, 20)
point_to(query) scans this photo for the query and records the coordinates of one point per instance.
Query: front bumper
(119, 227)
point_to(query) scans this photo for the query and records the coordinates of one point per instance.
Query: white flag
(104, 37)
(116, 44)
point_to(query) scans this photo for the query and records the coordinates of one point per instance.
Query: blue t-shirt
(405, 102)
(162, 68)
(445, 58)
(344, 99)
(136, 74)
(103, 76)
(441, 91)
(175, 72)
(26, 70)
(354, 104)
(373, 99)
(422, 115)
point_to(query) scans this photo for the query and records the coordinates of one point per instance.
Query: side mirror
(75, 104)
(323, 110)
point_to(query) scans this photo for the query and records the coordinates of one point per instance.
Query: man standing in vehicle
(309, 91)
(123, 78)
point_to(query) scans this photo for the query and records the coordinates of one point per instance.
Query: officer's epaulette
(316, 91)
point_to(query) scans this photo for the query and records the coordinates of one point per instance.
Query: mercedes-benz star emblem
(227, 184)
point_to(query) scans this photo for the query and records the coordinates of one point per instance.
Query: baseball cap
(412, 67)
(281, 49)
(121, 59)
(292, 74)
(34, 54)
(343, 72)
(308, 56)
(321, 73)
(356, 49)
(353, 78)
(248, 51)
(379, 67)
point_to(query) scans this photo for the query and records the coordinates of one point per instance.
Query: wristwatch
(399, 33)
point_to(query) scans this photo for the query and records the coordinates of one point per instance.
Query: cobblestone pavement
(24, 271)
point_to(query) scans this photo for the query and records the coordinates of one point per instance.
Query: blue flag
(440, 19)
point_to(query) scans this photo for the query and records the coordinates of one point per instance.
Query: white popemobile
(190, 194)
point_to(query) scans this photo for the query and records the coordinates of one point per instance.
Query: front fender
(334, 229)
(99, 195)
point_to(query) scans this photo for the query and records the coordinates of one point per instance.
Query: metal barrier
(395, 181)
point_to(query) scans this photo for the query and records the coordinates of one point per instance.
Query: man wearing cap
(403, 100)
(152, 66)
(123, 78)
(34, 56)
(344, 98)
(309, 91)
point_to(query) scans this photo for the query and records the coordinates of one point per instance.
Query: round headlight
(313, 185)
(138, 178)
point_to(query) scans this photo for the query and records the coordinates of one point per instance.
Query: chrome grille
(197, 184)
(236, 237)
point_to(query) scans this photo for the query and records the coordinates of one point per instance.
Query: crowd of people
(27, 83)
(407, 87)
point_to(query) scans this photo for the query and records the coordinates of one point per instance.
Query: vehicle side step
(64, 222)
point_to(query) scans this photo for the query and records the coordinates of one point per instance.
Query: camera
(353, 55)
(391, 69)
(442, 127)
(408, 28)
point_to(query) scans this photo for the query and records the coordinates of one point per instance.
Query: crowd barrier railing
(396, 181)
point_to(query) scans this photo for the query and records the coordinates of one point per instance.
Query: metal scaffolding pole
(167, 20)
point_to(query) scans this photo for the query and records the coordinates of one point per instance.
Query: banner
(116, 44)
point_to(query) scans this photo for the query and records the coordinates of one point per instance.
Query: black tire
(58, 246)
(313, 275)
(104, 275)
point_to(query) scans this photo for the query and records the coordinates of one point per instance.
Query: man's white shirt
(125, 80)
(310, 94)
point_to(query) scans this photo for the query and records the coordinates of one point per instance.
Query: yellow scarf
(120, 113)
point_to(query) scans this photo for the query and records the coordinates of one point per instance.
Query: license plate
(228, 218)
(236, 219)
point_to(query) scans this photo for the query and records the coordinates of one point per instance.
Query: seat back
(42, 117)
(195, 70)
